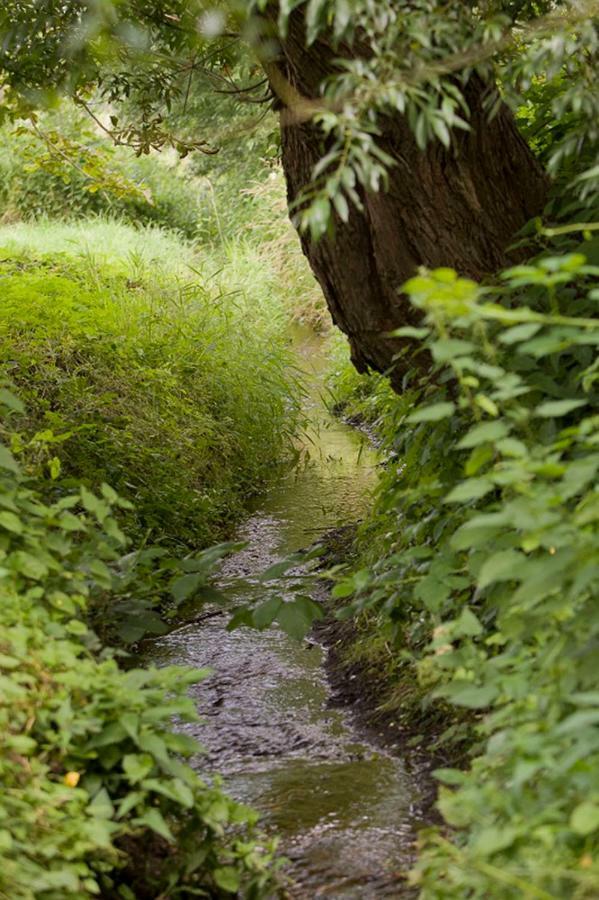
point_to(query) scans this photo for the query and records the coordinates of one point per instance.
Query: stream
(344, 809)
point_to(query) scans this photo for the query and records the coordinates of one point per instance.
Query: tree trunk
(459, 207)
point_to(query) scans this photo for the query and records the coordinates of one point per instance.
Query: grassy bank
(147, 399)
(161, 381)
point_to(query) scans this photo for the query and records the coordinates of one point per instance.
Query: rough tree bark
(458, 207)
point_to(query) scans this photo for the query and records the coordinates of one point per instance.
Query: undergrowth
(169, 387)
(67, 169)
(480, 564)
(97, 798)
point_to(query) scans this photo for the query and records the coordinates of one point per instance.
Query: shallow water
(343, 809)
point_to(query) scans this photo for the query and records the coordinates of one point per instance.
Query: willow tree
(399, 141)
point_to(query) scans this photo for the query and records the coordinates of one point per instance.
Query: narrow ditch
(345, 808)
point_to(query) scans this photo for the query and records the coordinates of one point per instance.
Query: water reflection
(342, 808)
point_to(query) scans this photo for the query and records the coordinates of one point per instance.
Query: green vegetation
(422, 143)
(480, 563)
(68, 169)
(172, 392)
(91, 768)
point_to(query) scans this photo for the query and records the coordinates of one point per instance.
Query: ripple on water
(342, 808)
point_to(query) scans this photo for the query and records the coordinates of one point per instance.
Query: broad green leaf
(486, 431)
(502, 566)
(186, 586)
(265, 614)
(469, 695)
(7, 460)
(11, 522)
(154, 819)
(558, 407)
(227, 879)
(137, 766)
(433, 413)
(471, 489)
(492, 839)
(585, 818)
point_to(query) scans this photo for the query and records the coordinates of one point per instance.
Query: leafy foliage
(410, 59)
(65, 168)
(485, 567)
(91, 768)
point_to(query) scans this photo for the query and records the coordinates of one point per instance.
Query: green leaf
(585, 818)
(227, 879)
(492, 839)
(137, 766)
(471, 489)
(8, 399)
(501, 566)
(101, 806)
(186, 586)
(469, 695)
(7, 460)
(265, 614)
(28, 565)
(449, 348)
(449, 776)
(294, 620)
(11, 522)
(154, 819)
(519, 333)
(487, 431)
(433, 413)
(558, 407)
(468, 624)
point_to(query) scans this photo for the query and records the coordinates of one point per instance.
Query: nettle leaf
(11, 522)
(7, 460)
(468, 624)
(502, 566)
(585, 818)
(227, 879)
(154, 819)
(519, 333)
(472, 489)
(486, 431)
(449, 348)
(492, 839)
(137, 766)
(8, 399)
(186, 586)
(433, 413)
(469, 695)
(558, 407)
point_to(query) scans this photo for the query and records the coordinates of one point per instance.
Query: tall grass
(168, 384)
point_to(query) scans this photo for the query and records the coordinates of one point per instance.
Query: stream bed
(344, 809)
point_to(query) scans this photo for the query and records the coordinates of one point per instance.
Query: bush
(485, 569)
(95, 796)
(97, 179)
(174, 395)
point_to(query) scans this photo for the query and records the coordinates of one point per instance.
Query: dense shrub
(88, 176)
(173, 393)
(91, 769)
(481, 562)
